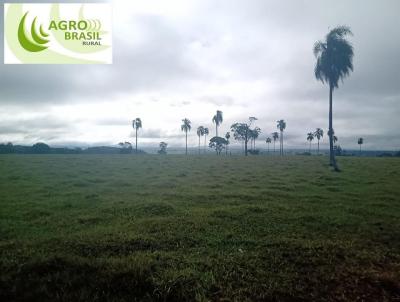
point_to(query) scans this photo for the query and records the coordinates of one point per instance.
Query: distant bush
(125, 147)
(385, 154)
(338, 150)
(163, 148)
(254, 152)
(41, 148)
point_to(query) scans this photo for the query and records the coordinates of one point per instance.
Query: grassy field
(146, 228)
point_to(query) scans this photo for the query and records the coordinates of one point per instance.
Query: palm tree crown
(319, 133)
(200, 131)
(137, 123)
(281, 125)
(334, 57)
(186, 125)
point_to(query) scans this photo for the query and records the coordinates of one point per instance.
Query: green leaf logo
(38, 40)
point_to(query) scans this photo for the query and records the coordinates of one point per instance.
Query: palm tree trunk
(318, 146)
(360, 149)
(245, 143)
(136, 141)
(199, 144)
(205, 141)
(274, 146)
(331, 154)
(216, 129)
(186, 141)
(310, 147)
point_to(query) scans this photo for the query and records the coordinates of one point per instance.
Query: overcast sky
(181, 58)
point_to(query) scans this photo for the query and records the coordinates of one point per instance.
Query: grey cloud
(112, 121)
(150, 133)
(218, 100)
(159, 61)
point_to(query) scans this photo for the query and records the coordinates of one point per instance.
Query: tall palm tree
(255, 133)
(185, 127)
(206, 132)
(217, 119)
(334, 62)
(310, 137)
(275, 136)
(252, 135)
(281, 125)
(200, 133)
(227, 137)
(319, 133)
(136, 124)
(268, 141)
(360, 142)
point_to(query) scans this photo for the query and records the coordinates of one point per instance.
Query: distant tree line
(42, 148)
